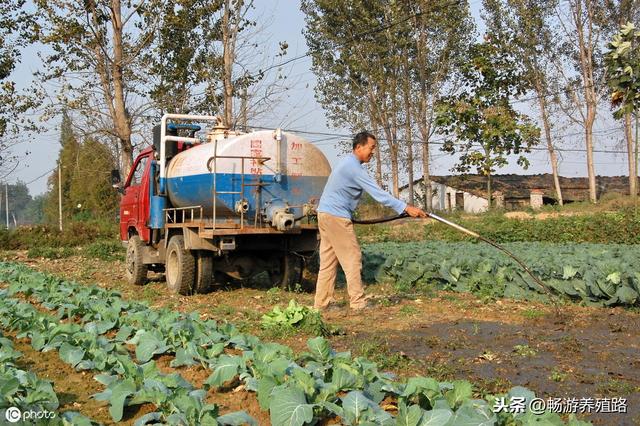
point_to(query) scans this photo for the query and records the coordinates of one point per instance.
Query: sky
(298, 110)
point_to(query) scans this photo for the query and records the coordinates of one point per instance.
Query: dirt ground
(586, 352)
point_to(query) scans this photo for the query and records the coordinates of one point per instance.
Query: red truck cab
(134, 206)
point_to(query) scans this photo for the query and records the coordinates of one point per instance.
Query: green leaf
(319, 348)
(408, 416)
(237, 418)
(289, 407)
(119, 394)
(614, 277)
(568, 272)
(8, 386)
(462, 390)
(156, 416)
(265, 386)
(182, 358)
(73, 418)
(436, 417)
(71, 354)
(226, 368)
(354, 405)
(626, 295)
(416, 385)
(149, 345)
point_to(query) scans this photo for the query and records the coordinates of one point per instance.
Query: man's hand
(414, 211)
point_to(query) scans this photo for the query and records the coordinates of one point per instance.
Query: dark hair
(362, 138)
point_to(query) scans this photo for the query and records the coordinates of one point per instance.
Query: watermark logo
(13, 414)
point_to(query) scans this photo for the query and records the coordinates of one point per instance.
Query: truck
(207, 206)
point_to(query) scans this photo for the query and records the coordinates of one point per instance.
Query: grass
(379, 351)
(441, 371)
(558, 375)
(408, 310)
(273, 295)
(50, 252)
(493, 386)
(105, 250)
(614, 387)
(532, 313)
(524, 351)
(223, 309)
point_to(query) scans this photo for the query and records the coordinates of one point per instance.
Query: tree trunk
(407, 131)
(228, 43)
(637, 140)
(394, 171)
(489, 194)
(588, 83)
(121, 119)
(593, 195)
(425, 129)
(376, 131)
(547, 133)
(633, 175)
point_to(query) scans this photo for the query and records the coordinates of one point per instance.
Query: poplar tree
(479, 123)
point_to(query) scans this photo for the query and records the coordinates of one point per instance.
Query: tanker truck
(206, 207)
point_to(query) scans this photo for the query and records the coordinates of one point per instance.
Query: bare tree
(97, 46)
(582, 25)
(526, 25)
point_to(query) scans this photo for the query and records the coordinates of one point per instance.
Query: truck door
(134, 199)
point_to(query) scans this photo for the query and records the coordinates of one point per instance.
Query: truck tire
(136, 271)
(181, 267)
(204, 272)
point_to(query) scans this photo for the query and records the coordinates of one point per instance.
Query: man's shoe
(365, 307)
(332, 307)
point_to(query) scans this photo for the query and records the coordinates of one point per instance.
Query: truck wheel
(204, 273)
(181, 267)
(288, 273)
(136, 271)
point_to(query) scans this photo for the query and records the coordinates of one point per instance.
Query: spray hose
(475, 235)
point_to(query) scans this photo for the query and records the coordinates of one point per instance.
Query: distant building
(511, 192)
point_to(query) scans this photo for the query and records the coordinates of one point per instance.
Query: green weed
(524, 350)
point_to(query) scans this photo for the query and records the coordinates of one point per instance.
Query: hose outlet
(242, 206)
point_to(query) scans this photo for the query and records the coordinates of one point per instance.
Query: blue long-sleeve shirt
(344, 189)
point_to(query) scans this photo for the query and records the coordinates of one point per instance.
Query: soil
(587, 352)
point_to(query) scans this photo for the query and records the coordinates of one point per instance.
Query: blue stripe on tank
(197, 190)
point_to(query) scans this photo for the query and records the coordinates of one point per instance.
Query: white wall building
(448, 198)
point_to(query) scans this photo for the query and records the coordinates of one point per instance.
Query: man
(338, 243)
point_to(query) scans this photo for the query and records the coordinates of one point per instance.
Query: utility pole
(6, 201)
(60, 195)
(0, 197)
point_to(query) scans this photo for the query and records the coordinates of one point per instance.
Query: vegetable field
(450, 336)
(595, 274)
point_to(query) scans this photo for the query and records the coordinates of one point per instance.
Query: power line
(41, 176)
(362, 34)
(440, 141)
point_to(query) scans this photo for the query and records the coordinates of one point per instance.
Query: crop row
(595, 274)
(316, 385)
(127, 383)
(23, 390)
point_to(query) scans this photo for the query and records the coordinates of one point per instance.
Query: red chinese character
(256, 143)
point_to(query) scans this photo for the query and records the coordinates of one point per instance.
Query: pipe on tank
(278, 137)
(164, 138)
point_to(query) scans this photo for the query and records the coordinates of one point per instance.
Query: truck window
(136, 179)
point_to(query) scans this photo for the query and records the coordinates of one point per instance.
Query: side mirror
(115, 177)
(115, 181)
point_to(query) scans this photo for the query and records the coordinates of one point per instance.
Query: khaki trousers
(338, 244)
